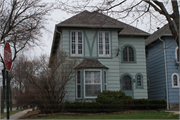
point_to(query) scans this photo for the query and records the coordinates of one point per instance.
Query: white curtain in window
(92, 83)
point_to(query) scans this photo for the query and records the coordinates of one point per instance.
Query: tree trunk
(3, 91)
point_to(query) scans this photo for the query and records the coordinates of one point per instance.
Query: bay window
(89, 82)
(92, 83)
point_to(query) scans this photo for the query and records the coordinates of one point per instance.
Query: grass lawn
(137, 115)
(10, 113)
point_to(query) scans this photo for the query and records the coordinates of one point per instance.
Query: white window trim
(178, 86)
(104, 49)
(176, 54)
(80, 85)
(85, 83)
(76, 55)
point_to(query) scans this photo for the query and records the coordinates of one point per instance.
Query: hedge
(110, 101)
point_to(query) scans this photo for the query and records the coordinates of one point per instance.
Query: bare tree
(21, 24)
(47, 80)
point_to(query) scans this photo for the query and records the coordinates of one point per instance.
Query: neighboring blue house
(162, 66)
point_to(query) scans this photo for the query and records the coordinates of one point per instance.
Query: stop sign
(7, 56)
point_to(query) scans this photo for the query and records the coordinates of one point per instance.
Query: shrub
(110, 101)
(113, 100)
(152, 104)
(82, 106)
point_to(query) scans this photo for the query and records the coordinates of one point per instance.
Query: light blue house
(162, 58)
(111, 54)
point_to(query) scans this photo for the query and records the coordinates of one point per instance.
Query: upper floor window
(104, 44)
(76, 43)
(175, 80)
(128, 54)
(177, 54)
(139, 80)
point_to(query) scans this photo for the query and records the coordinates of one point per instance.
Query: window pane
(131, 54)
(177, 54)
(92, 90)
(175, 80)
(96, 77)
(126, 83)
(73, 48)
(104, 76)
(78, 77)
(73, 37)
(100, 48)
(107, 38)
(138, 80)
(107, 49)
(78, 91)
(79, 37)
(80, 49)
(105, 87)
(87, 77)
(100, 38)
(125, 56)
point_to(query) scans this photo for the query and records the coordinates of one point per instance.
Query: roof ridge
(125, 23)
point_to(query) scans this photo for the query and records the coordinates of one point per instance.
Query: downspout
(165, 72)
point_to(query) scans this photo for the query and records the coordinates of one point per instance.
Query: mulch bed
(37, 114)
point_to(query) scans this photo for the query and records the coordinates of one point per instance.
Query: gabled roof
(99, 20)
(90, 63)
(164, 31)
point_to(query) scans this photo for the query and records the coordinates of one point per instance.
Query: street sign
(7, 56)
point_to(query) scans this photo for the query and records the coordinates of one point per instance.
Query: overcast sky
(56, 17)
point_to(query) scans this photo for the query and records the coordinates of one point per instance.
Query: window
(78, 85)
(105, 81)
(76, 43)
(92, 83)
(177, 54)
(175, 80)
(104, 44)
(128, 54)
(139, 80)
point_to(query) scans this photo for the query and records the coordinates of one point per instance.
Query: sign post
(8, 63)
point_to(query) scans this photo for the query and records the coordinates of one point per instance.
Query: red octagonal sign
(7, 56)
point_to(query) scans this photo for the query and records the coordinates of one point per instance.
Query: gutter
(165, 72)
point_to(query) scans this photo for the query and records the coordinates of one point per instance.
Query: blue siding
(171, 68)
(156, 71)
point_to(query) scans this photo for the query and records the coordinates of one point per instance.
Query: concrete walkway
(17, 115)
(175, 112)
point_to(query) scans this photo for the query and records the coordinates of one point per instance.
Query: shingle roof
(90, 63)
(164, 31)
(99, 20)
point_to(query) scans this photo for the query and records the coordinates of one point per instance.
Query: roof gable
(99, 20)
(164, 31)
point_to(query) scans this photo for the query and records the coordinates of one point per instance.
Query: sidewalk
(17, 115)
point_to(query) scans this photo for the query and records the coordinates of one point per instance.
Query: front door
(126, 85)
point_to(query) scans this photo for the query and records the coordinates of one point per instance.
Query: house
(112, 55)
(163, 66)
